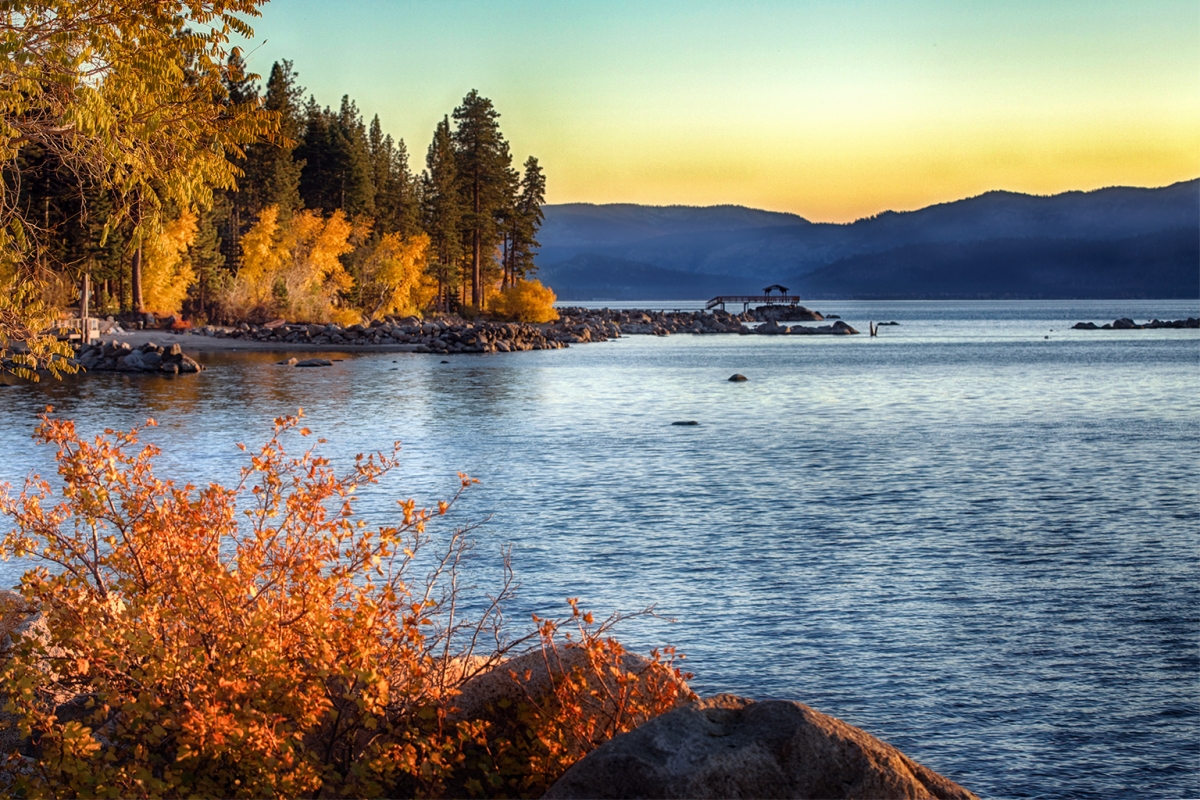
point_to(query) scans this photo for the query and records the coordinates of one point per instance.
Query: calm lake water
(975, 542)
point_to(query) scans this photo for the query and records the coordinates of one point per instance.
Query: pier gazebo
(766, 298)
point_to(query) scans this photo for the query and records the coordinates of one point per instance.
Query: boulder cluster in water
(117, 356)
(574, 326)
(1126, 324)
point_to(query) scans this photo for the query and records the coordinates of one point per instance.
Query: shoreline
(192, 343)
(452, 335)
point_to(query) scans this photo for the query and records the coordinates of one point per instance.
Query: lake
(974, 536)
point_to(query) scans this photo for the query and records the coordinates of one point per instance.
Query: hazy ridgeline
(1118, 242)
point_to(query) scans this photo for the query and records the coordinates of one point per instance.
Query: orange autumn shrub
(525, 301)
(261, 641)
(594, 694)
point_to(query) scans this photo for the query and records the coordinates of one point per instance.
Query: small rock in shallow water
(738, 377)
(291, 362)
(686, 422)
(314, 362)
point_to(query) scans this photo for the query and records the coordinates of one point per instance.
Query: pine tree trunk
(477, 271)
(504, 280)
(135, 281)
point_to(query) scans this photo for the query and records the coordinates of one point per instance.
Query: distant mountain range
(1109, 243)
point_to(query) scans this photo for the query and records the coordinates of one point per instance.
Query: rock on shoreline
(117, 356)
(447, 335)
(1126, 324)
(728, 746)
(575, 326)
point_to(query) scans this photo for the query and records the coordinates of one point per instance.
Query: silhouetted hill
(755, 248)
(1156, 265)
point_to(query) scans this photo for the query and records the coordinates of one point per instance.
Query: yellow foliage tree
(293, 268)
(313, 277)
(525, 301)
(262, 260)
(166, 274)
(391, 276)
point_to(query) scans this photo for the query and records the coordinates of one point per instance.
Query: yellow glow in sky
(830, 110)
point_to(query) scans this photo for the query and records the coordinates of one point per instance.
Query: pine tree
(319, 187)
(358, 186)
(526, 220)
(442, 210)
(396, 205)
(404, 194)
(207, 263)
(278, 166)
(240, 90)
(483, 163)
(337, 161)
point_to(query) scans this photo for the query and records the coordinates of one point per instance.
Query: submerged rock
(686, 422)
(738, 377)
(728, 746)
(315, 362)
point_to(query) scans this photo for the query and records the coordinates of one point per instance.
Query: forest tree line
(328, 221)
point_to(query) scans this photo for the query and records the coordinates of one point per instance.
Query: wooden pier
(766, 298)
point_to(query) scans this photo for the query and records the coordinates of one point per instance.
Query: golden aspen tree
(391, 276)
(166, 274)
(526, 301)
(313, 277)
(293, 268)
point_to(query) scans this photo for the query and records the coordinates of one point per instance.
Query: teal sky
(830, 110)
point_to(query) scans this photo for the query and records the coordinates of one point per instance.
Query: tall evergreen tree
(484, 169)
(319, 183)
(358, 186)
(337, 162)
(379, 147)
(277, 170)
(207, 262)
(442, 210)
(522, 244)
(404, 194)
(240, 90)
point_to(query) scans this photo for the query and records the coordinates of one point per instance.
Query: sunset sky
(831, 110)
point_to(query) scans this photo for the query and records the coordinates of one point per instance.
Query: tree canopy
(125, 105)
(137, 149)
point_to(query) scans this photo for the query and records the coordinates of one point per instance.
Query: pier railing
(747, 299)
(85, 330)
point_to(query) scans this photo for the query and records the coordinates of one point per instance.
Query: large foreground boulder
(728, 746)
